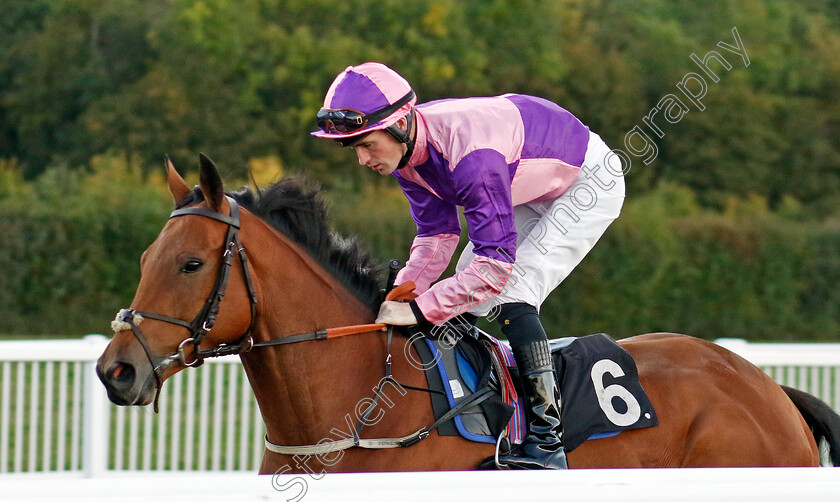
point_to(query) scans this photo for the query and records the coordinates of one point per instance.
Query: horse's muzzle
(123, 385)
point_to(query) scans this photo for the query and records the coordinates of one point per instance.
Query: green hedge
(72, 243)
(71, 246)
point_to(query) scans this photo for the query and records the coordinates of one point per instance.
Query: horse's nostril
(121, 375)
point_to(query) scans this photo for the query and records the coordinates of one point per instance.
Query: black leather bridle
(206, 318)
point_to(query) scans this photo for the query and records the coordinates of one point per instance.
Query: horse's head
(195, 297)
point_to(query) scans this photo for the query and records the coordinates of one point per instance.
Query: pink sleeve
(482, 280)
(428, 259)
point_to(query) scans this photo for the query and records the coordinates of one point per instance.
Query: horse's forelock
(194, 197)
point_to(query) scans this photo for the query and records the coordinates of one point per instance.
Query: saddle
(599, 382)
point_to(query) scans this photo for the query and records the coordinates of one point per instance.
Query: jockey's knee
(521, 324)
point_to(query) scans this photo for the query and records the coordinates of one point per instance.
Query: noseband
(206, 318)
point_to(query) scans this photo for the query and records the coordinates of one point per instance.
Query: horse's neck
(296, 295)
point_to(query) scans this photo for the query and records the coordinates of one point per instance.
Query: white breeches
(555, 235)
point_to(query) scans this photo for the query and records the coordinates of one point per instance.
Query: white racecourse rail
(56, 417)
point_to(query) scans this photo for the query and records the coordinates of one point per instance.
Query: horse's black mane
(295, 208)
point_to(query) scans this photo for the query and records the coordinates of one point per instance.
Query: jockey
(537, 188)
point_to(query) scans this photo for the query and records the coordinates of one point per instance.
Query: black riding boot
(543, 447)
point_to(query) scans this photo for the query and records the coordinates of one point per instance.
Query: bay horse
(273, 271)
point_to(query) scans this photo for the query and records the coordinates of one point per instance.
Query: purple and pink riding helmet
(365, 98)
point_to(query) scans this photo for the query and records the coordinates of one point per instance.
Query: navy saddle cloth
(600, 388)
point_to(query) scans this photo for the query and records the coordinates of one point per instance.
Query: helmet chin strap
(405, 158)
(403, 136)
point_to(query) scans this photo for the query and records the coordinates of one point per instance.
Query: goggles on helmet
(345, 120)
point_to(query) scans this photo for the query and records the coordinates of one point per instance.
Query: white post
(95, 430)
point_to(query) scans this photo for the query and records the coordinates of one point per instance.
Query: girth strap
(403, 442)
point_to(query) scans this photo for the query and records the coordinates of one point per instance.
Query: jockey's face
(380, 151)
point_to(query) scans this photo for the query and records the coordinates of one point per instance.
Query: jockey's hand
(396, 313)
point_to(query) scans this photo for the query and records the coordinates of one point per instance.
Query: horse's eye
(192, 266)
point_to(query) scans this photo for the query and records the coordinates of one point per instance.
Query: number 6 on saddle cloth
(600, 385)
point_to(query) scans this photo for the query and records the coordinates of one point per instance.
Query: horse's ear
(211, 183)
(177, 185)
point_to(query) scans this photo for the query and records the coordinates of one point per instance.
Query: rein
(323, 334)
